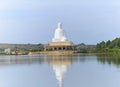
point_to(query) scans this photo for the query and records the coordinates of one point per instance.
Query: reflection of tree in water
(23, 59)
(109, 59)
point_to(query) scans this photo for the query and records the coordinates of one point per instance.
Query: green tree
(108, 43)
(103, 44)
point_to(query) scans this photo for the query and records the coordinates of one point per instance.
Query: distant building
(7, 51)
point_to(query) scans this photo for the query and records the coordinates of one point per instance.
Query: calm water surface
(81, 70)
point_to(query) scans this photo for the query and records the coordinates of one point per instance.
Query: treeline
(83, 48)
(22, 47)
(109, 46)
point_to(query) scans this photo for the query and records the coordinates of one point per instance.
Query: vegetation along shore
(108, 47)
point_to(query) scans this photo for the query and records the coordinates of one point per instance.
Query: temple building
(60, 42)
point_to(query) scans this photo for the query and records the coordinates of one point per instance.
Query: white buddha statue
(59, 35)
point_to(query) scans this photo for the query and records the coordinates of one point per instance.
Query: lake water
(81, 70)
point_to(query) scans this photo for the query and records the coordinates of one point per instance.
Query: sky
(35, 21)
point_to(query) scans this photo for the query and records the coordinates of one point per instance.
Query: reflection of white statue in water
(60, 71)
(59, 35)
(60, 68)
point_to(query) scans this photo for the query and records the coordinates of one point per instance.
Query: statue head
(59, 25)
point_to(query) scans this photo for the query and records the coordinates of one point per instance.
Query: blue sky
(34, 21)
